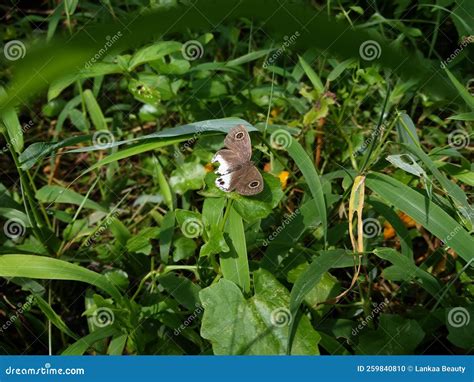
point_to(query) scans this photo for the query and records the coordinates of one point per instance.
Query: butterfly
(236, 170)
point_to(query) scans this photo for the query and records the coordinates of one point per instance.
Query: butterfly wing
(246, 181)
(238, 140)
(228, 161)
(249, 181)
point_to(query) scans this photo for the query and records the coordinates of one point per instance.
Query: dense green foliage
(115, 239)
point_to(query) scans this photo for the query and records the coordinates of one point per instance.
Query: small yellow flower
(283, 178)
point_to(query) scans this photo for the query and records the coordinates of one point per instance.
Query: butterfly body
(237, 172)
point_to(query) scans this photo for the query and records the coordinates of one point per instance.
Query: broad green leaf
(394, 335)
(305, 283)
(234, 264)
(254, 326)
(40, 267)
(58, 194)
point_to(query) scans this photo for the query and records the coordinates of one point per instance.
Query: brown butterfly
(236, 170)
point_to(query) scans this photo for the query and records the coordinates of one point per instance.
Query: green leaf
(394, 335)
(140, 243)
(58, 194)
(249, 57)
(117, 344)
(13, 126)
(460, 324)
(423, 211)
(182, 289)
(407, 131)
(234, 264)
(166, 236)
(257, 326)
(409, 271)
(55, 319)
(93, 108)
(311, 177)
(340, 68)
(468, 98)
(80, 347)
(463, 117)
(40, 267)
(313, 77)
(305, 283)
(184, 248)
(39, 150)
(212, 211)
(188, 176)
(259, 206)
(153, 52)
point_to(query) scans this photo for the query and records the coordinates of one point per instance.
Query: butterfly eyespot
(239, 135)
(254, 184)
